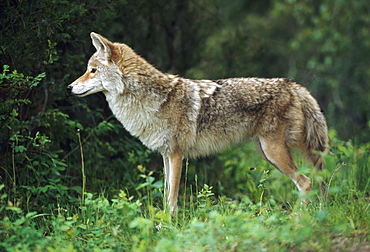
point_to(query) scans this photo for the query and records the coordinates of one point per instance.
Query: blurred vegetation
(45, 45)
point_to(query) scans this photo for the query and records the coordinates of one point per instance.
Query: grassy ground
(269, 219)
(209, 224)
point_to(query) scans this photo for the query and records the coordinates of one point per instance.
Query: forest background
(55, 147)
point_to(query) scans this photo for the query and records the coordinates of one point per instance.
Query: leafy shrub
(31, 169)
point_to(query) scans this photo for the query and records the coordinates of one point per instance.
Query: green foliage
(30, 169)
(329, 54)
(349, 164)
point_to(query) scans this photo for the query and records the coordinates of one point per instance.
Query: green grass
(269, 216)
(121, 224)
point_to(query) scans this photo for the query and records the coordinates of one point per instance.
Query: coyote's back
(180, 118)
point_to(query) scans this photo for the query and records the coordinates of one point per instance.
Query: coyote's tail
(316, 138)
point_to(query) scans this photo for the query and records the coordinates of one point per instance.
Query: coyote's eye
(93, 70)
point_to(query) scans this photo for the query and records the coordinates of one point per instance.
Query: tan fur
(181, 118)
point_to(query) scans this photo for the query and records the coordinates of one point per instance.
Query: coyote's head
(103, 73)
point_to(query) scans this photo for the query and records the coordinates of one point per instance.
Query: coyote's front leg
(166, 164)
(172, 169)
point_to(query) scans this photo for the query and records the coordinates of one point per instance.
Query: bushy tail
(316, 134)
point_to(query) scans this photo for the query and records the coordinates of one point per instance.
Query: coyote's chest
(140, 121)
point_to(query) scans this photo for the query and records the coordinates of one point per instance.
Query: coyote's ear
(102, 45)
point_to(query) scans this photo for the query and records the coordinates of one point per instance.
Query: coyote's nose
(69, 89)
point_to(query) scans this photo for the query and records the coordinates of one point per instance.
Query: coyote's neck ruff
(189, 118)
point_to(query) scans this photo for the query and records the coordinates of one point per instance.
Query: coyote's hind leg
(274, 150)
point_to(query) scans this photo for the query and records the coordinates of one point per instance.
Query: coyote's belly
(208, 142)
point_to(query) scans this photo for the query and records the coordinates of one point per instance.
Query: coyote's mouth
(83, 94)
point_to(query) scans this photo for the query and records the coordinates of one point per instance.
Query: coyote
(182, 118)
